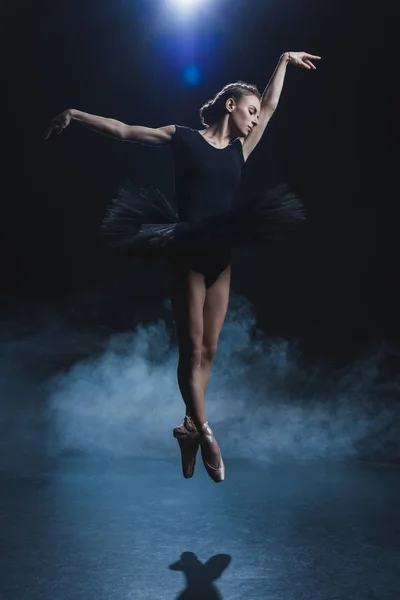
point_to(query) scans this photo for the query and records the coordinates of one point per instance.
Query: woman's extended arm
(272, 94)
(113, 128)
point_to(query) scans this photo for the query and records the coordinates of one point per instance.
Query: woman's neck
(219, 134)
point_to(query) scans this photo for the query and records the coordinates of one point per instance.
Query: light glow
(185, 5)
(192, 75)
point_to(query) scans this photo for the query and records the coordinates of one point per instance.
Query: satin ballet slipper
(188, 440)
(214, 466)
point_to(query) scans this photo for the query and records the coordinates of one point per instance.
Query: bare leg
(199, 317)
(214, 313)
(188, 297)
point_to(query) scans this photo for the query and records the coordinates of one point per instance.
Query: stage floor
(84, 529)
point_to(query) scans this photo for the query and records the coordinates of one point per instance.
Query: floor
(85, 529)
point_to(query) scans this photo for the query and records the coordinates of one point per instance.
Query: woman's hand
(59, 123)
(302, 59)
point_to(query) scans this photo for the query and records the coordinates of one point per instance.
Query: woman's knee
(190, 354)
(208, 352)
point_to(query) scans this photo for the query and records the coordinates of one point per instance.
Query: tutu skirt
(144, 223)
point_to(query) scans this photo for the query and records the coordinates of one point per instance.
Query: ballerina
(197, 236)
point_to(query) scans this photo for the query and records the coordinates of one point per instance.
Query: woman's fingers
(58, 124)
(302, 63)
(310, 64)
(303, 59)
(56, 127)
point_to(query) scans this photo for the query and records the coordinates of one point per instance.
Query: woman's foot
(211, 454)
(188, 440)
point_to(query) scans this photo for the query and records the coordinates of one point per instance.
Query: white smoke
(118, 395)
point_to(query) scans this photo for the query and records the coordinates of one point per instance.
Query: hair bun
(215, 109)
(209, 113)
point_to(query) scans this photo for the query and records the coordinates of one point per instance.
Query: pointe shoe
(188, 440)
(216, 470)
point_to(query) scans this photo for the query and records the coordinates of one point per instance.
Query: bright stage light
(185, 5)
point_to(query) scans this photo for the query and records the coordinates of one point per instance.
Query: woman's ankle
(206, 432)
(189, 422)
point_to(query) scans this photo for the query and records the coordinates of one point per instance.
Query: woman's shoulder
(184, 135)
(185, 129)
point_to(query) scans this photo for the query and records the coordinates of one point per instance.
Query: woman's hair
(215, 109)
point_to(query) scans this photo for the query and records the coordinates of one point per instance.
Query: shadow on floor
(199, 576)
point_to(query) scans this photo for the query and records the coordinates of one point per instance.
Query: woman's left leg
(214, 313)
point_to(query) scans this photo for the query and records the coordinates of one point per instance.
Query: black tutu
(144, 223)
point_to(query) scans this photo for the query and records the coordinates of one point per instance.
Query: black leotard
(206, 181)
(206, 178)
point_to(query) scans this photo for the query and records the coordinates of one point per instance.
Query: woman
(197, 240)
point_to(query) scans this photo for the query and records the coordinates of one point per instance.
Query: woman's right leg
(188, 293)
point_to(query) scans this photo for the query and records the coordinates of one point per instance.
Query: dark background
(334, 286)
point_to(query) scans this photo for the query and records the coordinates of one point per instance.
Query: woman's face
(244, 114)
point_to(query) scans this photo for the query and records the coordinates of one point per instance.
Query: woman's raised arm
(272, 94)
(113, 128)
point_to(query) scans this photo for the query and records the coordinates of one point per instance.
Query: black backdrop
(334, 286)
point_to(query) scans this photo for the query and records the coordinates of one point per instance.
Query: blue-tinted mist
(64, 390)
